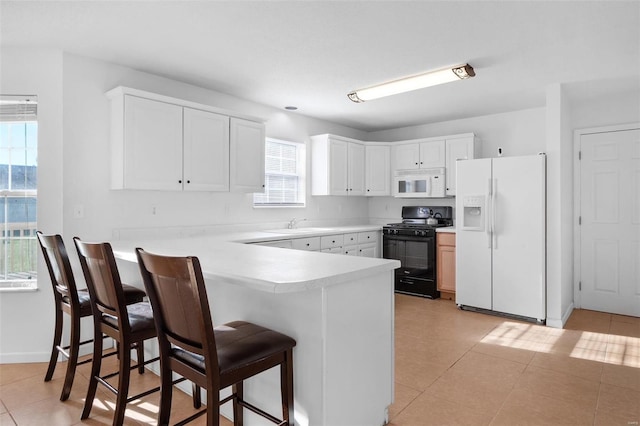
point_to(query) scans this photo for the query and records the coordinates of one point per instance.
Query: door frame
(577, 243)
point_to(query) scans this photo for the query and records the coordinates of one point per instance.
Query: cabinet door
(406, 156)
(377, 170)
(338, 167)
(356, 169)
(447, 269)
(456, 149)
(246, 147)
(432, 154)
(152, 145)
(368, 250)
(206, 151)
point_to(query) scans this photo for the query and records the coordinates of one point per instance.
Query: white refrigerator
(501, 235)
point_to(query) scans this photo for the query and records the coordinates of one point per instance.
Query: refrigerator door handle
(488, 222)
(494, 196)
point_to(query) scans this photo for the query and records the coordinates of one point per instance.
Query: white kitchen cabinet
(377, 170)
(355, 168)
(368, 250)
(337, 166)
(167, 144)
(466, 147)
(247, 139)
(425, 154)
(147, 153)
(205, 151)
(309, 244)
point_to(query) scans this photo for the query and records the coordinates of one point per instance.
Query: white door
(206, 151)
(473, 247)
(356, 169)
(610, 229)
(519, 213)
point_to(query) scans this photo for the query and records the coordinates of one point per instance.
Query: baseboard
(24, 357)
(559, 323)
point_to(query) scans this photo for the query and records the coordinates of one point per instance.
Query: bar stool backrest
(103, 281)
(177, 293)
(59, 267)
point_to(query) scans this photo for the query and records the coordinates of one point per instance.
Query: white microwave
(421, 183)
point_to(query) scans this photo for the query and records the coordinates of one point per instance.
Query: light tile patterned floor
(452, 368)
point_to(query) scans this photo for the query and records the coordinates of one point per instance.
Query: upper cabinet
(377, 170)
(337, 166)
(418, 154)
(465, 147)
(247, 154)
(162, 143)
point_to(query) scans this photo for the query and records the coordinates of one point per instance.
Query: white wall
(518, 133)
(27, 318)
(73, 169)
(86, 135)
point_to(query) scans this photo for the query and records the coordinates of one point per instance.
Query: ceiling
(312, 53)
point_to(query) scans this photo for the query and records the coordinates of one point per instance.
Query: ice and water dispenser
(473, 212)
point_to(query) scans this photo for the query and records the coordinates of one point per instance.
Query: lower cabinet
(363, 244)
(446, 264)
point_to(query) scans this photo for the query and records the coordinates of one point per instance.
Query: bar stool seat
(239, 344)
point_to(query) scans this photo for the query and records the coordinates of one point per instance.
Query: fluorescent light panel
(415, 82)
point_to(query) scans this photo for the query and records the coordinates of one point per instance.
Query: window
(284, 175)
(18, 192)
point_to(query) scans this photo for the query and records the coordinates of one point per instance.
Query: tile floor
(452, 368)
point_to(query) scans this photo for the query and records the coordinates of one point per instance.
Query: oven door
(417, 256)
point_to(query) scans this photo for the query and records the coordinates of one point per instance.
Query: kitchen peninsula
(339, 309)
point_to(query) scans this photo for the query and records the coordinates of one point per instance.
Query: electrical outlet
(78, 211)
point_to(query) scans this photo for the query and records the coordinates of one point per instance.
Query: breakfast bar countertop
(269, 269)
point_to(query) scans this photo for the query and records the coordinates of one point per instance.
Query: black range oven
(413, 243)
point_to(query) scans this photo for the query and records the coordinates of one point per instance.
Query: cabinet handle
(188, 181)
(308, 244)
(368, 190)
(416, 163)
(180, 181)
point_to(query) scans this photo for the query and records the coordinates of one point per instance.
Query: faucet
(293, 223)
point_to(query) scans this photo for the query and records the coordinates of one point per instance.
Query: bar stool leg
(57, 337)
(96, 364)
(123, 382)
(238, 416)
(140, 353)
(72, 362)
(286, 385)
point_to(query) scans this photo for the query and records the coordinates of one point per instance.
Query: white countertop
(268, 269)
(450, 229)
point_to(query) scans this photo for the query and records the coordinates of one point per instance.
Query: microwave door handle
(428, 184)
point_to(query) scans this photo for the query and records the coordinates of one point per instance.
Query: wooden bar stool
(69, 300)
(128, 325)
(214, 358)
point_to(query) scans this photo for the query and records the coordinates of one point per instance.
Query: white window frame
(301, 158)
(19, 109)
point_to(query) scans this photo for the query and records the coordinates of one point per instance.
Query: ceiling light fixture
(415, 82)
